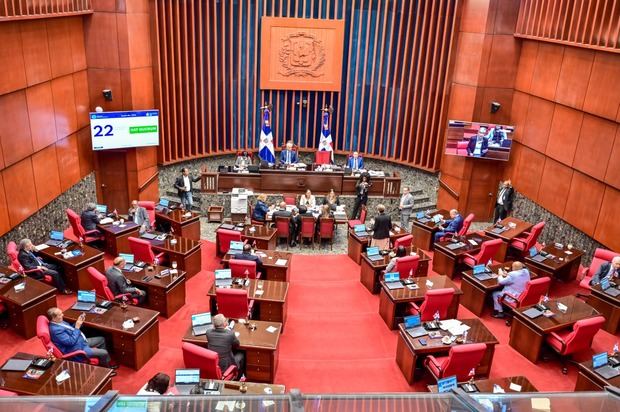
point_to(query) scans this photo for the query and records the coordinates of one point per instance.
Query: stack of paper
(449, 323)
(281, 262)
(458, 330)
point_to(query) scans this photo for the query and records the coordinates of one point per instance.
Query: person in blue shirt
(355, 162)
(261, 208)
(514, 283)
(288, 156)
(452, 225)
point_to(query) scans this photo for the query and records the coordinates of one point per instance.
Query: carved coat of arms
(301, 54)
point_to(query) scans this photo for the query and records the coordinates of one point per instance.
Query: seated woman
(307, 199)
(243, 160)
(331, 199)
(400, 252)
(261, 208)
(157, 385)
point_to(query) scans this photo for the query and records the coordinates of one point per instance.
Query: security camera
(495, 106)
(107, 95)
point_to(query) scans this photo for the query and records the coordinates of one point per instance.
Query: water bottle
(436, 316)
(615, 349)
(156, 261)
(546, 298)
(465, 337)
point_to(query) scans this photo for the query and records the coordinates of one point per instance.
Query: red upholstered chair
(407, 266)
(307, 229)
(100, 282)
(197, 357)
(534, 289)
(78, 230)
(322, 157)
(466, 224)
(362, 218)
(326, 230)
(283, 229)
(243, 269)
(290, 200)
(460, 361)
(224, 237)
(404, 241)
(12, 252)
(7, 393)
(524, 242)
(487, 251)
(150, 209)
(233, 303)
(254, 221)
(600, 256)
(142, 250)
(567, 342)
(434, 300)
(43, 333)
(461, 148)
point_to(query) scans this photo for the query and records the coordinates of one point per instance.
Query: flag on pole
(325, 144)
(265, 147)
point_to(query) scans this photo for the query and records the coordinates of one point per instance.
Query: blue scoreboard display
(119, 130)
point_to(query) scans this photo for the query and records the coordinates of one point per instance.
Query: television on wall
(479, 140)
(121, 130)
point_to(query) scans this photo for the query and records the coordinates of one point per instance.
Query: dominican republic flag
(325, 143)
(265, 147)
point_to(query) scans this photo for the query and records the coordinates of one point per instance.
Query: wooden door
(112, 187)
(483, 183)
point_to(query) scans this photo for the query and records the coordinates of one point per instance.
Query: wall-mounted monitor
(120, 130)
(479, 140)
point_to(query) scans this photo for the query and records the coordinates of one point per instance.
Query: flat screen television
(120, 130)
(479, 140)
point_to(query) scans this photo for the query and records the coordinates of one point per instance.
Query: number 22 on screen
(99, 130)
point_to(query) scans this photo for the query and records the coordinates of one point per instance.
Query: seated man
(69, 338)
(496, 136)
(139, 215)
(355, 162)
(247, 255)
(222, 340)
(478, 145)
(609, 270)
(288, 156)
(29, 261)
(514, 283)
(119, 284)
(281, 212)
(90, 217)
(452, 225)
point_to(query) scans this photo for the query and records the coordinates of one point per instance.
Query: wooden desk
(424, 232)
(253, 388)
(393, 303)
(508, 235)
(260, 346)
(358, 244)
(564, 270)
(449, 262)
(133, 347)
(608, 306)
(409, 352)
(116, 237)
(589, 380)
(271, 271)
(477, 292)
(263, 236)
(371, 272)
(165, 295)
(271, 305)
(486, 385)
(24, 307)
(75, 268)
(187, 227)
(528, 335)
(186, 252)
(84, 379)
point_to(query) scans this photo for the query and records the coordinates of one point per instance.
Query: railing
(208, 181)
(445, 186)
(36, 9)
(144, 185)
(392, 186)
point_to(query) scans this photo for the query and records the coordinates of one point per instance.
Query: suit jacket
(260, 211)
(360, 163)
(454, 225)
(29, 262)
(252, 258)
(281, 213)
(382, 227)
(507, 198)
(179, 185)
(293, 157)
(471, 146)
(222, 341)
(140, 216)
(68, 338)
(117, 282)
(90, 220)
(515, 282)
(407, 202)
(602, 272)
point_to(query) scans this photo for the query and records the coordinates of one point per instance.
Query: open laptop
(360, 230)
(481, 273)
(413, 326)
(535, 255)
(56, 238)
(162, 205)
(201, 322)
(600, 364)
(102, 209)
(186, 379)
(392, 280)
(148, 236)
(236, 247)
(374, 254)
(223, 278)
(85, 300)
(129, 259)
(608, 289)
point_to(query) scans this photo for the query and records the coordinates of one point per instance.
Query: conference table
(371, 271)
(260, 346)
(26, 305)
(424, 229)
(528, 335)
(131, 347)
(512, 227)
(589, 380)
(262, 237)
(186, 252)
(607, 305)
(116, 236)
(507, 384)
(84, 379)
(410, 353)
(449, 254)
(358, 244)
(393, 303)
(180, 223)
(75, 267)
(276, 264)
(165, 295)
(563, 266)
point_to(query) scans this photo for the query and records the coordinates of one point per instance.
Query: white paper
(498, 389)
(225, 404)
(19, 287)
(458, 330)
(41, 246)
(429, 284)
(562, 307)
(267, 404)
(449, 323)
(128, 324)
(271, 329)
(259, 292)
(515, 387)
(281, 262)
(62, 376)
(541, 404)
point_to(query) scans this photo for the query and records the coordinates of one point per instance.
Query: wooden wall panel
(612, 176)
(538, 124)
(574, 77)
(41, 115)
(59, 39)
(5, 223)
(547, 71)
(82, 104)
(603, 95)
(528, 173)
(85, 151)
(594, 148)
(11, 59)
(78, 50)
(584, 202)
(504, 49)
(564, 134)
(103, 43)
(67, 154)
(22, 198)
(46, 175)
(467, 71)
(554, 186)
(14, 127)
(64, 106)
(527, 63)
(36, 51)
(607, 226)
(11, 10)
(518, 114)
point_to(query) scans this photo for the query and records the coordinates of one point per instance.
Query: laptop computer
(600, 364)
(227, 226)
(102, 209)
(236, 247)
(85, 300)
(360, 230)
(608, 289)
(149, 236)
(392, 280)
(535, 255)
(129, 259)
(481, 273)
(454, 246)
(437, 219)
(223, 278)
(56, 238)
(374, 254)
(201, 322)
(186, 379)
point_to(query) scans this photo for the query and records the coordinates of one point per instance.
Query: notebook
(532, 313)
(223, 278)
(16, 365)
(412, 321)
(85, 300)
(454, 246)
(129, 259)
(149, 236)
(56, 238)
(186, 379)
(227, 226)
(201, 322)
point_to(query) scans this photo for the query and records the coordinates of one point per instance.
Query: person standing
(514, 283)
(405, 207)
(503, 203)
(361, 194)
(222, 340)
(119, 284)
(183, 184)
(381, 229)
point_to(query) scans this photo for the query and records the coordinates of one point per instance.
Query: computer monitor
(102, 209)
(223, 274)
(479, 140)
(372, 251)
(392, 277)
(419, 215)
(479, 269)
(164, 202)
(201, 319)
(86, 296)
(605, 283)
(533, 251)
(412, 321)
(236, 245)
(57, 235)
(599, 360)
(359, 228)
(186, 376)
(128, 257)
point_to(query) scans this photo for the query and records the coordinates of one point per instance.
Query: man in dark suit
(452, 225)
(29, 261)
(119, 284)
(247, 255)
(183, 184)
(90, 217)
(381, 229)
(503, 203)
(222, 340)
(281, 212)
(609, 270)
(288, 156)
(355, 162)
(478, 145)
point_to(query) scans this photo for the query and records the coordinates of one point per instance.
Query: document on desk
(271, 329)
(449, 324)
(541, 404)
(514, 387)
(458, 330)
(225, 405)
(259, 292)
(281, 262)
(41, 247)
